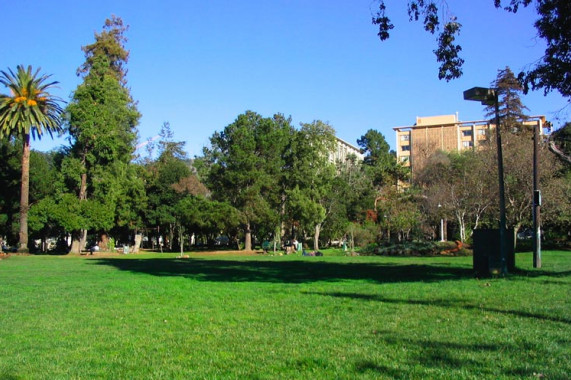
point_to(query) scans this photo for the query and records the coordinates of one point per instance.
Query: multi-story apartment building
(446, 133)
(342, 151)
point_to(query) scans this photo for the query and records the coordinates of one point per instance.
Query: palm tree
(29, 109)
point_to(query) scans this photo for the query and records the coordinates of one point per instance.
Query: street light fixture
(489, 96)
(536, 199)
(441, 223)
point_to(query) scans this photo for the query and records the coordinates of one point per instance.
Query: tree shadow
(299, 271)
(466, 359)
(429, 353)
(447, 303)
(539, 273)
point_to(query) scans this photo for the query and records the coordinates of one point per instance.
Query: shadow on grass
(540, 273)
(286, 271)
(432, 358)
(448, 303)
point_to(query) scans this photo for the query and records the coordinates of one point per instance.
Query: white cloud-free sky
(199, 64)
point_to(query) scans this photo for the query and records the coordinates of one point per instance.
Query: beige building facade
(343, 150)
(416, 143)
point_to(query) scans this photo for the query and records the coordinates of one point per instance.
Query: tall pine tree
(512, 110)
(102, 120)
(246, 168)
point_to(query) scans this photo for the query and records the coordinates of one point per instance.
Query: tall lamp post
(441, 223)
(489, 96)
(536, 199)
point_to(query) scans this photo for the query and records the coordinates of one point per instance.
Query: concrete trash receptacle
(487, 258)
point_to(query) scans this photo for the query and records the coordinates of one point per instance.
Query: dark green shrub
(415, 248)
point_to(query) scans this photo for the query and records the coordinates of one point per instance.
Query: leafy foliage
(29, 108)
(246, 167)
(379, 162)
(551, 72)
(458, 186)
(310, 177)
(511, 108)
(447, 52)
(10, 164)
(102, 120)
(110, 43)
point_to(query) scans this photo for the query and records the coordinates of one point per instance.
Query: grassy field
(259, 317)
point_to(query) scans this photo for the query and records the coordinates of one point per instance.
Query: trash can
(487, 252)
(125, 249)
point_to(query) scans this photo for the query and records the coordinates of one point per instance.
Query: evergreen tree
(379, 163)
(167, 183)
(512, 110)
(246, 168)
(110, 43)
(102, 120)
(310, 178)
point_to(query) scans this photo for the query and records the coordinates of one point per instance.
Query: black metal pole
(536, 199)
(503, 249)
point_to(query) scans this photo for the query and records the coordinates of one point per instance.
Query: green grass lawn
(282, 317)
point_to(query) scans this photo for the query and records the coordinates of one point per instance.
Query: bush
(364, 235)
(414, 248)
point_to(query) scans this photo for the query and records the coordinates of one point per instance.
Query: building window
(404, 137)
(482, 132)
(404, 159)
(467, 133)
(405, 148)
(467, 144)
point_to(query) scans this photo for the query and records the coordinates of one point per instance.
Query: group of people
(312, 253)
(297, 248)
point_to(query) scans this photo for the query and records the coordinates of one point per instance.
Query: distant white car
(336, 243)
(525, 234)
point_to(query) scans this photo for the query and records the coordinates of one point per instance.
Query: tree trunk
(24, 196)
(103, 242)
(316, 237)
(78, 242)
(180, 239)
(138, 239)
(75, 243)
(83, 240)
(445, 230)
(248, 238)
(516, 230)
(461, 226)
(171, 236)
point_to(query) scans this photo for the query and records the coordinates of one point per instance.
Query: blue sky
(199, 64)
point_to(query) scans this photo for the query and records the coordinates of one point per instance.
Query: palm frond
(30, 108)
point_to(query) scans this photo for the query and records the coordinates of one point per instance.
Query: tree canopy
(511, 109)
(102, 120)
(550, 72)
(29, 109)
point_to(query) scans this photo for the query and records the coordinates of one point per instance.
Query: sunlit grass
(155, 316)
